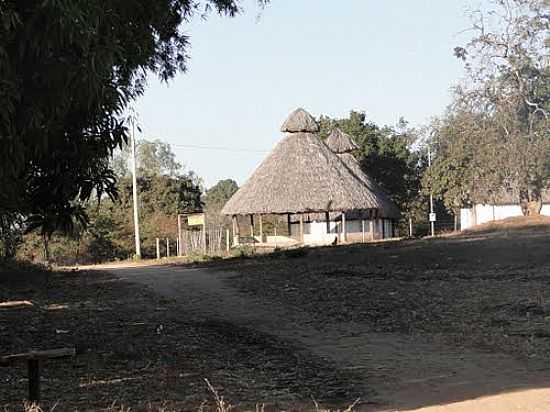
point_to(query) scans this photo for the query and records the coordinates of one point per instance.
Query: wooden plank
(39, 355)
(15, 304)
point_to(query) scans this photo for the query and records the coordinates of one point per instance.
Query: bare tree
(508, 79)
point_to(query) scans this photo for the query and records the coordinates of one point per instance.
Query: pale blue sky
(387, 58)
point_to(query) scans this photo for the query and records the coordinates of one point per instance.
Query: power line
(219, 148)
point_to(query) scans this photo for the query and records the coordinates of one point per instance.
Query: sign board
(195, 220)
(432, 217)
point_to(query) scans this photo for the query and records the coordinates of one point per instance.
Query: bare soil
(454, 323)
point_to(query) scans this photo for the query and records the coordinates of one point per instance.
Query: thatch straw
(340, 142)
(300, 121)
(301, 175)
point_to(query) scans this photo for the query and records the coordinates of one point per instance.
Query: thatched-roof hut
(303, 179)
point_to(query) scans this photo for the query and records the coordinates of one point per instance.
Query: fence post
(167, 247)
(204, 239)
(158, 248)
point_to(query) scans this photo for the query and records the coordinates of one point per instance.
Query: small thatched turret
(342, 144)
(339, 142)
(300, 121)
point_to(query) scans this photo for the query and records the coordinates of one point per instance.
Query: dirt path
(403, 371)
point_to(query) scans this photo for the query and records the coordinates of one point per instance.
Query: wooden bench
(33, 359)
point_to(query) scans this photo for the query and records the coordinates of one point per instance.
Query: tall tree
(68, 71)
(508, 85)
(154, 158)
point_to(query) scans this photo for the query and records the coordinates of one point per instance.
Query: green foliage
(68, 71)
(386, 155)
(154, 158)
(242, 251)
(109, 234)
(216, 197)
(221, 192)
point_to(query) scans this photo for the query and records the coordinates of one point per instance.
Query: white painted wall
(316, 232)
(489, 213)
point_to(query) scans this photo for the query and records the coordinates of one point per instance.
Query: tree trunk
(46, 241)
(530, 202)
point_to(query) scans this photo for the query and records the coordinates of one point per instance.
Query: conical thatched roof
(300, 121)
(301, 174)
(340, 142)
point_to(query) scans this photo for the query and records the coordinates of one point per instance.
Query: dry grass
(521, 223)
(217, 404)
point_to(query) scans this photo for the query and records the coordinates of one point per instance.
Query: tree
(385, 154)
(508, 86)
(68, 71)
(154, 158)
(215, 199)
(458, 174)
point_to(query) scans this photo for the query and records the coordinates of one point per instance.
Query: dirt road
(389, 371)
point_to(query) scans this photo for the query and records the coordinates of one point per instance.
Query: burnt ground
(403, 325)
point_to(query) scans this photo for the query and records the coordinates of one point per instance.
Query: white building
(507, 206)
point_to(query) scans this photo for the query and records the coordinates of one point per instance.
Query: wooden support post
(301, 227)
(227, 241)
(275, 233)
(261, 229)
(289, 225)
(327, 220)
(167, 247)
(236, 231)
(344, 235)
(363, 230)
(34, 380)
(410, 227)
(252, 226)
(371, 229)
(158, 248)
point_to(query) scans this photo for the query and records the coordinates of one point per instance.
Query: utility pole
(432, 215)
(134, 192)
